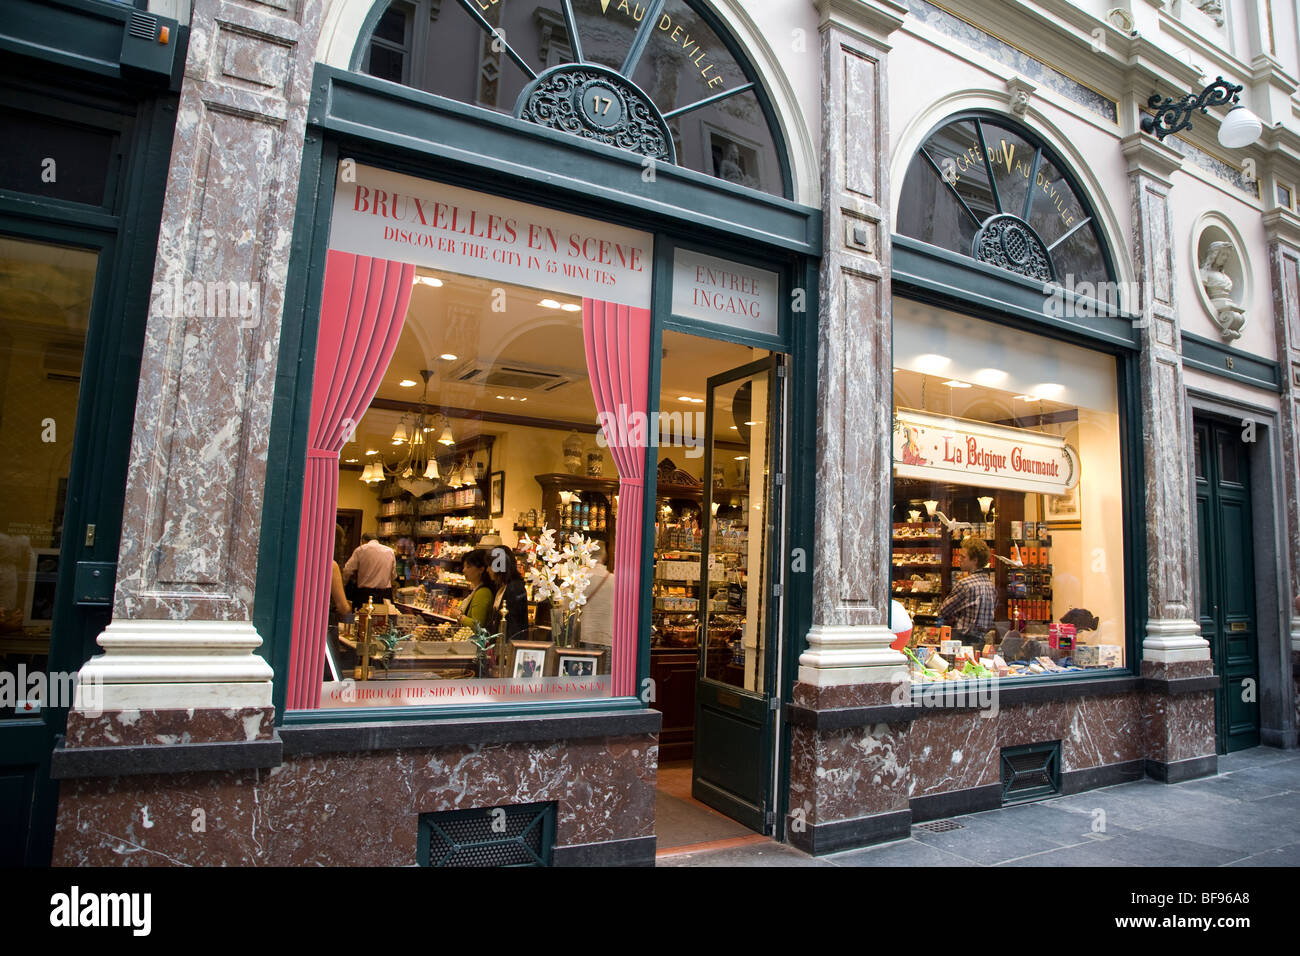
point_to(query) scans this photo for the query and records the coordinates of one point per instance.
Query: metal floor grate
(940, 826)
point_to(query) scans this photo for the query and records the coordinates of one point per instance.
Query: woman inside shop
(973, 600)
(511, 597)
(477, 607)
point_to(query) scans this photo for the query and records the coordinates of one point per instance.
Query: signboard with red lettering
(724, 292)
(938, 448)
(391, 216)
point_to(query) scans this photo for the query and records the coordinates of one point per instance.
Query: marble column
(1173, 634)
(1283, 230)
(849, 640)
(181, 638)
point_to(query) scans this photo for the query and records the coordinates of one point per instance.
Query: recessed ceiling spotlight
(406, 383)
(953, 383)
(448, 357)
(350, 461)
(571, 307)
(549, 304)
(429, 281)
(371, 451)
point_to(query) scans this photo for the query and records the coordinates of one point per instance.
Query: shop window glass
(502, 336)
(45, 300)
(1006, 445)
(948, 196)
(683, 62)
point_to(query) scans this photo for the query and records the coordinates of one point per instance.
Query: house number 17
(597, 100)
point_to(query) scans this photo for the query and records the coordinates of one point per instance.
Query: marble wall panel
(136, 728)
(844, 774)
(354, 809)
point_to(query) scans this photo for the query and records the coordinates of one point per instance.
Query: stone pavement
(1247, 815)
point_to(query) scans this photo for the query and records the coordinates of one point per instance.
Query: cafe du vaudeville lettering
(468, 232)
(1004, 156)
(676, 35)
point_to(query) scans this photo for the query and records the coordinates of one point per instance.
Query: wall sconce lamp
(1239, 128)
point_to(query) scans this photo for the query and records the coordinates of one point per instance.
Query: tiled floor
(681, 821)
(1247, 815)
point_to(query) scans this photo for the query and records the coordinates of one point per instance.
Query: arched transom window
(984, 187)
(658, 77)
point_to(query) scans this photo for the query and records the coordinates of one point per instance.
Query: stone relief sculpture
(1212, 9)
(1228, 316)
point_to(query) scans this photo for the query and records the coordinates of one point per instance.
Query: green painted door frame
(122, 230)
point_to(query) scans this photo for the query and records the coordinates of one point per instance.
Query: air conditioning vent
(142, 26)
(519, 378)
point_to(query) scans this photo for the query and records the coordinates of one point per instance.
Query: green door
(738, 597)
(80, 202)
(1227, 578)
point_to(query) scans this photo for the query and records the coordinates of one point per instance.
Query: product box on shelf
(1097, 655)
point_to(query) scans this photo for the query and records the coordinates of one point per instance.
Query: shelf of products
(926, 556)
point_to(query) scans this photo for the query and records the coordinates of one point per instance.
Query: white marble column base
(1169, 641)
(175, 665)
(850, 654)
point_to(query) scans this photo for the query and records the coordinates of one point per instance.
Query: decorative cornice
(1282, 225)
(1146, 154)
(1265, 69)
(871, 20)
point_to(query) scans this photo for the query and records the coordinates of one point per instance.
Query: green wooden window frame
(355, 117)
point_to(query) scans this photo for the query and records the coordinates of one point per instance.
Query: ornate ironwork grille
(985, 187)
(518, 835)
(1031, 772)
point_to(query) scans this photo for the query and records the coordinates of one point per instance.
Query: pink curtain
(618, 362)
(362, 311)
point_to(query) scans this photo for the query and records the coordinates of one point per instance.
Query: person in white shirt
(597, 620)
(374, 565)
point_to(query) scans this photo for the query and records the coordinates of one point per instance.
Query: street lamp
(1239, 128)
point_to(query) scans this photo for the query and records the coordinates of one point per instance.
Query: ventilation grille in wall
(519, 835)
(1031, 772)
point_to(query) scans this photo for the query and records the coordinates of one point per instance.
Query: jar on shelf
(573, 453)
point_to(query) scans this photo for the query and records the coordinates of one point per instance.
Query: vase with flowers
(560, 573)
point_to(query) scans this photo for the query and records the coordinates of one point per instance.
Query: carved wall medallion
(599, 104)
(1009, 243)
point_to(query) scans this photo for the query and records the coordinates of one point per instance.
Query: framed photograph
(497, 493)
(42, 579)
(1064, 512)
(528, 659)
(577, 662)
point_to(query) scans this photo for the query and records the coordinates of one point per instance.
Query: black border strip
(71, 762)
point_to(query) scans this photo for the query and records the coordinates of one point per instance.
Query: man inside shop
(970, 606)
(374, 565)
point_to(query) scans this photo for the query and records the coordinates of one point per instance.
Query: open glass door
(738, 616)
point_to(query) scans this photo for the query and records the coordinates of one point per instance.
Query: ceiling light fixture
(417, 467)
(448, 357)
(953, 383)
(430, 281)
(407, 383)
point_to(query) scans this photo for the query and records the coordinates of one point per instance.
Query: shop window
(470, 349)
(1008, 547)
(677, 60)
(981, 187)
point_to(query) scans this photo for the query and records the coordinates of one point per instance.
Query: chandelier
(416, 471)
